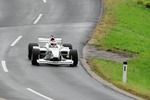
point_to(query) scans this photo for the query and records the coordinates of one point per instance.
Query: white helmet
(53, 42)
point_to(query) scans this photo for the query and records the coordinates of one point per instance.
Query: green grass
(112, 72)
(130, 31)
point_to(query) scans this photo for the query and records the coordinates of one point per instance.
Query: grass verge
(125, 27)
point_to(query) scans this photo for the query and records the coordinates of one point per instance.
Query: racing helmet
(53, 42)
(52, 39)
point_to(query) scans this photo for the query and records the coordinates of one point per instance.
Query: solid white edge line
(4, 66)
(13, 44)
(29, 89)
(44, 1)
(39, 17)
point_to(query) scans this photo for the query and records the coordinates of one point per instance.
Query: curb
(99, 79)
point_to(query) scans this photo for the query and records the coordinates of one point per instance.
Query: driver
(52, 43)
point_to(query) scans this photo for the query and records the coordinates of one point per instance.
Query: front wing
(42, 61)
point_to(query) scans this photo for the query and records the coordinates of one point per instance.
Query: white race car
(52, 53)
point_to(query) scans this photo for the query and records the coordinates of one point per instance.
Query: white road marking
(39, 94)
(39, 17)
(44, 1)
(4, 66)
(2, 99)
(16, 41)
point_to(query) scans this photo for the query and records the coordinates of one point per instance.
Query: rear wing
(45, 40)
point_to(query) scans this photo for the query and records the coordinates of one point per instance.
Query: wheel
(68, 45)
(35, 56)
(74, 56)
(30, 47)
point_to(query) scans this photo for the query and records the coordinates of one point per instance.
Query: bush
(147, 5)
(140, 2)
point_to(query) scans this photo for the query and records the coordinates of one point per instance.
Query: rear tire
(30, 47)
(68, 45)
(35, 56)
(74, 56)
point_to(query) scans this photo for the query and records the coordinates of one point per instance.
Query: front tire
(74, 56)
(68, 45)
(30, 47)
(35, 56)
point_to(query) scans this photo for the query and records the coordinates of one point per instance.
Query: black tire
(30, 47)
(35, 56)
(74, 56)
(68, 45)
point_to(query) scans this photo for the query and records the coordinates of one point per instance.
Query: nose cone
(55, 53)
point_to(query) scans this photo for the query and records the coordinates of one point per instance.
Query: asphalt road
(22, 22)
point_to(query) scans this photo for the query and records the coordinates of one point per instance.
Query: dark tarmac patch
(92, 51)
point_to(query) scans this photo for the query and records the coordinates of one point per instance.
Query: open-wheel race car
(53, 51)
